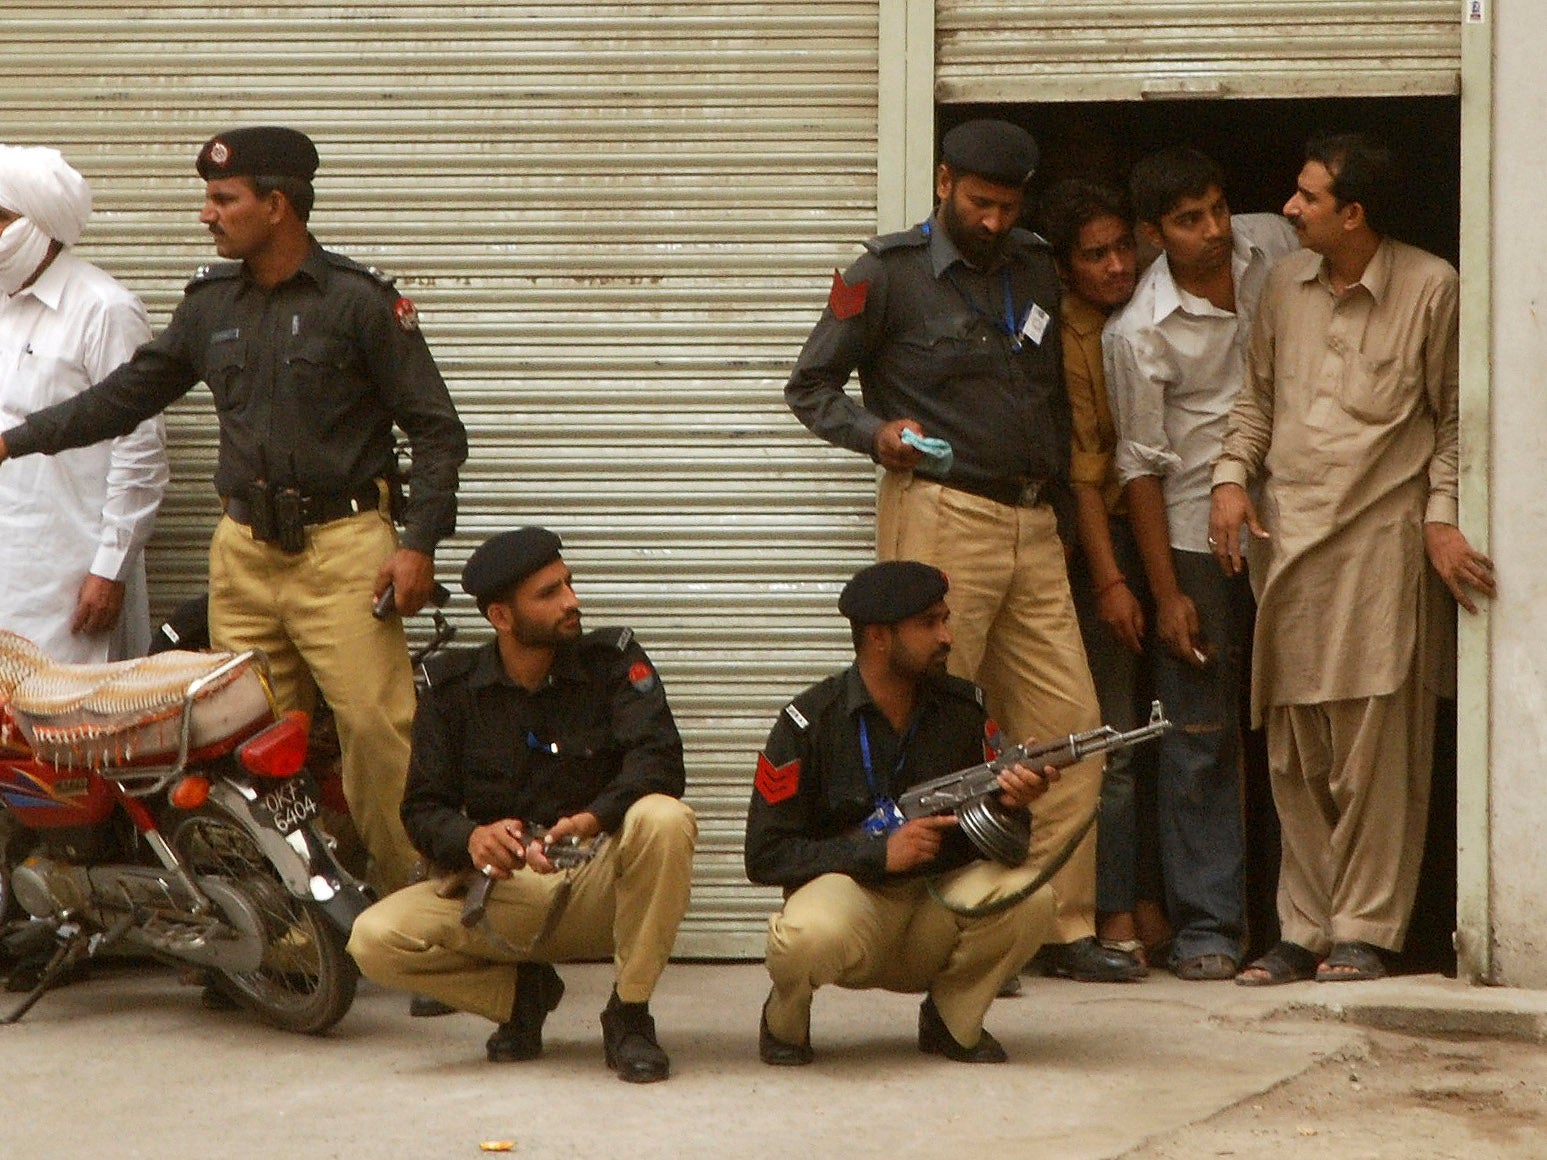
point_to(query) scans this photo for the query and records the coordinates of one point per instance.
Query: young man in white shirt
(1175, 361)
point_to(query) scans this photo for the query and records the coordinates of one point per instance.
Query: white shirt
(1174, 365)
(87, 510)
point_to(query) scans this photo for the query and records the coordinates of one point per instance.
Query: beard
(546, 634)
(980, 247)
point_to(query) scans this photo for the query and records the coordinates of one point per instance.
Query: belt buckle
(1031, 494)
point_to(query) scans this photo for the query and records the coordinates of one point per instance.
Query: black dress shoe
(936, 1039)
(1087, 961)
(538, 991)
(771, 1049)
(628, 1039)
(424, 1007)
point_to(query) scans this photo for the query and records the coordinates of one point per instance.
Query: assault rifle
(563, 853)
(1005, 835)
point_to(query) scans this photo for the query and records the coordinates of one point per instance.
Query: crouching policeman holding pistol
(529, 753)
(858, 876)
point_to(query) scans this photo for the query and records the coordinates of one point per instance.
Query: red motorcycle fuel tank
(44, 796)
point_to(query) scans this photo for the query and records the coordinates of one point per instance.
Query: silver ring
(1212, 544)
(488, 871)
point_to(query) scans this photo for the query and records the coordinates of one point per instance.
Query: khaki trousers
(310, 612)
(627, 902)
(1351, 784)
(1018, 637)
(896, 938)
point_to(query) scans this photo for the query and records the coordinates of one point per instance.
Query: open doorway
(1260, 144)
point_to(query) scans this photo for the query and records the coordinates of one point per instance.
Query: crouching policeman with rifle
(882, 889)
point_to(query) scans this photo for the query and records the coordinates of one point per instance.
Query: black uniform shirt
(810, 793)
(308, 377)
(929, 343)
(597, 736)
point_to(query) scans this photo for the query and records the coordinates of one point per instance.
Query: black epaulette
(617, 639)
(382, 279)
(961, 687)
(809, 705)
(214, 272)
(913, 238)
(448, 666)
(1030, 240)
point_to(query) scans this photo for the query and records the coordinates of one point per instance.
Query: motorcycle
(164, 804)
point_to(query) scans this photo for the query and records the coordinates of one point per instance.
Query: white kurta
(90, 510)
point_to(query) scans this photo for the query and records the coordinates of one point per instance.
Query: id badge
(885, 818)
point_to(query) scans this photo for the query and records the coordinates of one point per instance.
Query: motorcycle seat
(125, 711)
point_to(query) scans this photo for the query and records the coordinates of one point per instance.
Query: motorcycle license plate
(290, 804)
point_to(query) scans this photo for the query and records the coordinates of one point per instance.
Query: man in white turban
(73, 527)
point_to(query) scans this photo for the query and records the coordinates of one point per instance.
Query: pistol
(564, 853)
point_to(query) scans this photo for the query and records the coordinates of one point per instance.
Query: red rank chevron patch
(776, 782)
(846, 301)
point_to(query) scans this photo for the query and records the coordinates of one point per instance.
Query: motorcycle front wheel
(306, 980)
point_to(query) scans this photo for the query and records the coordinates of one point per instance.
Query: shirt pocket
(322, 368)
(958, 348)
(1374, 389)
(225, 373)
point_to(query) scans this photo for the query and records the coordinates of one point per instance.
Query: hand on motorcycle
(498, 848)
(97, 606)
(582, 826)
(412, 575)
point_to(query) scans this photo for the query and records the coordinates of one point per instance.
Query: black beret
(891, 591)
(259, 151)
(996, 150)
(508, 558)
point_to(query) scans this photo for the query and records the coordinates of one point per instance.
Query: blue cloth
(1198, 766)
(938, 455)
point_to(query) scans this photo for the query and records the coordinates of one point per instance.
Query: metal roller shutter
(1114, 50)
(617, 221)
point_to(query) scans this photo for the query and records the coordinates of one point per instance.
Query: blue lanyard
(1009, 324)
(864, 753)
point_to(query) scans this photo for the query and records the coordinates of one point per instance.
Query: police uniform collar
(490, 670)
(856, 695)
(943, 253)
(314, 267)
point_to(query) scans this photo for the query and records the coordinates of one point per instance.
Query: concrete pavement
(128, 1064)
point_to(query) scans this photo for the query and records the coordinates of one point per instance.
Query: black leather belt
(317, 509)
(1011, 492)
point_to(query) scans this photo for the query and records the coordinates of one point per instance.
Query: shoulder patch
(641, 676)
(796, 716)
(902, 239)
(776, 783)
(993, 740)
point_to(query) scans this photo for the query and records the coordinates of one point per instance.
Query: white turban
(39, 184)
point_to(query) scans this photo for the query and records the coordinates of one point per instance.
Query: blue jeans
(1198, 766)
(1127, 849)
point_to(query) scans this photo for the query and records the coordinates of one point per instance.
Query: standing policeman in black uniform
(952, 327)
(824, 824)
(540, 727)
(311, 359)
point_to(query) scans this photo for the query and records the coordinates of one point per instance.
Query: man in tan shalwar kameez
(1349, 417)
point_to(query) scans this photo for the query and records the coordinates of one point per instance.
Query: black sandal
(1357, 960)
(1286, 963)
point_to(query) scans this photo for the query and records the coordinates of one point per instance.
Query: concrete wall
(1518, 426)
